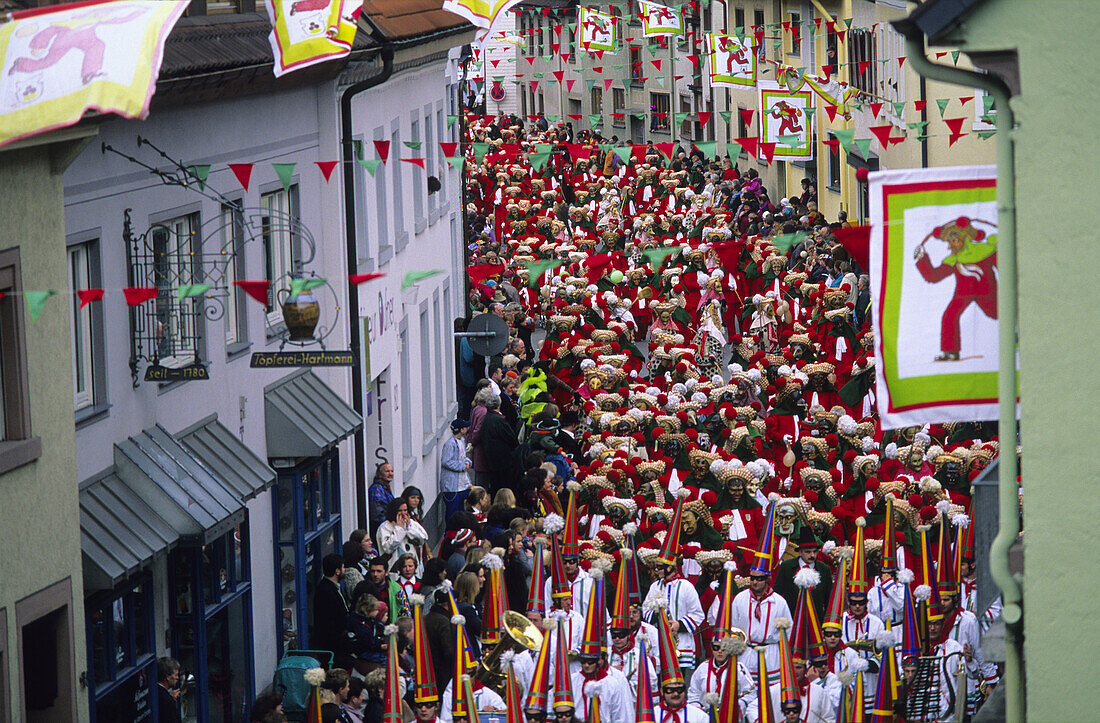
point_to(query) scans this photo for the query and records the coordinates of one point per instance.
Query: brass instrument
(864, 645)
(518, 634)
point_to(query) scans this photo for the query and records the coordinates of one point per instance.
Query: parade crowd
(668, 498)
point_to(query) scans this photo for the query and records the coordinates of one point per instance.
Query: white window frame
(278, 245)
(80, 277)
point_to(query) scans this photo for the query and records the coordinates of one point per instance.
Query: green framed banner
(732, 61)
(598, 31)
(934, 294)
(658, 19)
(786, 121)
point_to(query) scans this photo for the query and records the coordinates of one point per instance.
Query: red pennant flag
(876, 108)
(415, 162)
(863, 65)
(574, 116)
(830, 110)
(136, 295)
(598, 68)
(817, 24)
(901, 60)
(883, 134)
(951, 140)
(382, 148)
(955, 124)
(678, 77)
(840, 35)
(896, 140)
(638, 153)
(494, 63)
(326, 168)
(746, 115)
(704, 117)
(449, 149)
(827, 71)
(565, 57)
(768, 150)
(941, 54)
(656, 64)
(86, 296)
(607, 83)
(558, 75)
(243, 172)
(831, 142)
(530, 61)
(749, 144)
(555, 47)
(830, 25)
(363, 278)
(483, 271)
(578, 151)
(694, 58)
(557, 29)
(569, 84)
(966, 99)
(534, 86)
(857, 242)
(918, 105)
(256, 289)
(666, 149)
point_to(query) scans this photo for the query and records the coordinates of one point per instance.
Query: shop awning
(197, 503)
(237, 466)
(305, 417)
(119, 531)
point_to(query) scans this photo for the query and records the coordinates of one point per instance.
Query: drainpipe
(1007, 295)
(348, 159)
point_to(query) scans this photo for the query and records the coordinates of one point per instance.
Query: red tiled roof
(405, 19)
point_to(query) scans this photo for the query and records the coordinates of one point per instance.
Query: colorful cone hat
(834, 614)
(643, 707)
(723, 626)
(424, 687)
(471, 713)
(858, 714)
(512, 698)
(764, 711)
(883, 709)
(910, 631)
(763, 561)
(620, 608)
(462, 641)
(593, 708)
(536, 603)
(788, 683)
(944, 556)
(729, 708)
(570, 545)
(496, 600)
(634, 582)
(560, 588)
(963, 548)
(807, 644)
(316, 678)
(462, 666)
(538, 696)
(670, 550)
(391, 712)
(928, 574)
(857, 578)
(889, 539)
(563, 681)
(669, 656)
(593, 641)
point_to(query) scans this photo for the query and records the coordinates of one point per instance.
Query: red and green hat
(764, 711)
(788, 683)
(512, 699)
(889, 538)
(496, 600)
(857, 579)
(669, 656)
(643, 707)
(563, 681)
(537, 695)
(391, 712)
(620, 609)
(593, 642)
(424, 687)
(723, 626)
(536, 603)
(806, 641)
(834, 613)
(570, 544)
(670, 550)
(764, 559)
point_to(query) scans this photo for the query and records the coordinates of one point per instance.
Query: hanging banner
(62, 60)
(660, 19)
(934, 301)
(480, 13)
(308, 32)
(732, 61)
(784, 120)
(830, 90)
(598, 30)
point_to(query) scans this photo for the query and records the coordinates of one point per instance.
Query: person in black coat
(330, 610)
(808, 549)
(168, 690)
(567, 436)
(441, 638)
(499, 441)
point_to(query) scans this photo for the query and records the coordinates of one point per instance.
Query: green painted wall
(1056, 180)
(39, 513)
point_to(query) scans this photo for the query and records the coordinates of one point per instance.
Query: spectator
(464, 540)
(467, 589)
(405, 574)
(400, 535)
(380, 495)
(168, 690)
(330, 609)
(352, 707)
(478, 503)
(454, 478)
(435, 572)
(473, 435)
(379, 584)
(518, 564)
(375, 684)
(366, 634)
(353, 565)
(414, 498)
(270, 702)
(499, 443)
(336, 682)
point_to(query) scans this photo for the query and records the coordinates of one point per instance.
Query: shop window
(121, 654)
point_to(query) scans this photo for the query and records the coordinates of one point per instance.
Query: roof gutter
(1007, 385)
(348, 157)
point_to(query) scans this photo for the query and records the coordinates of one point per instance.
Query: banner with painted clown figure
(732, 61)
(58, 61)
(660, 19)
(934, 297)
(598, 30)
(308, 32)
(785, 120)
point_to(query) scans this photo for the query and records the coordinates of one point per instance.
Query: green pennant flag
(653, 48)
(955, 56)
(924, 137)
(595, 119)
(414, 145)
(588, 84)
(452, 118)
(986, 135)
(707, 148)
(847, 23)
(657, 256)
(455, 161)
(726, 115)
(371, 165)
(480, 149)
(620, 66)
(777, 45)
(538, 75)
(544, 148)
(987, 101)
(626, 83)
(552, 118)
(538, 161)
(942, 103)
(415, 277)
(548, 58)
(739, 31)
(186, 291)
(660, 80)
(535, 269)
(845, 138)
(639, 116)
(864, 146)
(298, 286)
(792, 139)
(786, 241)
(899, 108)
(285, 171)
(201, 171)
(918, 125)
(681, 117)
(857, 107)
(624, 154)
(990, 118)
(552, 81)
(36, 301)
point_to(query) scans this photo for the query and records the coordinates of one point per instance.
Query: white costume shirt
(616, 700)
(582, 588)
(683, 606)
(484, 698)
(757, 619)
(709, 678)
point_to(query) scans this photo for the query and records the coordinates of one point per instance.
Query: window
(796, 34)
(834, 165)
(398, 189)
(121, 650)
(742, 126)
(758, 25)
(891, 86)
(236, 309)
(441, 358)
(541, 36)
(597, 100)
(282, 247)
(861, 56)
(420, 185)
(618, 106)
(739, 20)
(637, 72)
(87, 324)
(16, 444)
(571, 41)
(427, 403)
(176, 248)
(433, 160)
(45, 642)
(660, 112)
(381, 207)
(406, 396)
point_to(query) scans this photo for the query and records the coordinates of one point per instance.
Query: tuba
(517, 634)
(864, 645)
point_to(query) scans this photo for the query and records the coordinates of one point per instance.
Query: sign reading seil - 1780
(339, 358)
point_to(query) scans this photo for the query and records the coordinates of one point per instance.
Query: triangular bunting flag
(704, 117)
(942, 103)
(87, 296)
(382, 148)
(707, 148)
(749, 143)
(36, 301)
(201, 171)
(864, 146)
(792, 140)
(136, 295)
(327, 168)
(882, 133)
(415, 277)
(767, 150)
(876, 108)
(746, 115)
(449, 149)
(243, 172)
(257, 289)
(285, 172)
(830, 110)
(899, 108)
(363, 278)
(415, 161)
(186, 291)
(845, 137)
(301, 285)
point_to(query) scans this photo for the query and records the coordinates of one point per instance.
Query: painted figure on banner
(596, 29)
(789, 117)
(972, 261)
(736, 54)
